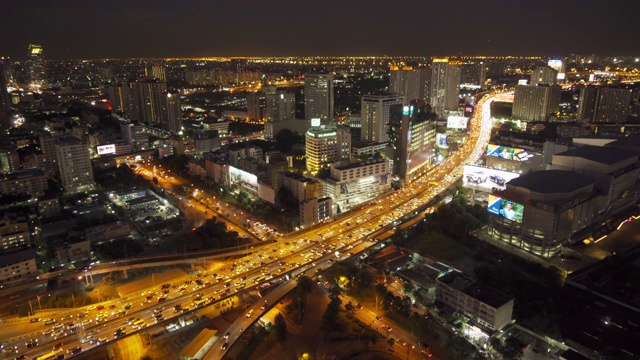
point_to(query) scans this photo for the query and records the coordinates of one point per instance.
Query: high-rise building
(325, 145)
(408, 81)
(473, 73)
(9, 159)
(35, 64)
(375, 110)
(152, 103)
(256, 106)
(544, 75)
(412, 137)
(604, 104)
(5, 101)
(558, 65)
(452, 87)
(49, 162)
(74, 163)
(156, 71)
(318, 97)
(536, 102)
(438, 84)
(280, 104)
(171, 112)
(134, 135)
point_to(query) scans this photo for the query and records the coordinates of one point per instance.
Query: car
(225, 346)
(58, 334)
(162, 299)
(425, 345)
(58, 346)
(498, 180)
(35, 320)
(74, 350)
(378, 318)
(128, 306)
(31, 343)
(477, 177)
(67, 317)
(22, 357)
(177, 308)
(120, 332)
(100, 307)
(249, 314)
(48, 321)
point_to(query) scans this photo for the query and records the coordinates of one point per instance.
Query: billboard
(244, 179)
(106, 149)
(457, 122)
(441, 140)
(506, 208)
(486, 179)
(508, 153)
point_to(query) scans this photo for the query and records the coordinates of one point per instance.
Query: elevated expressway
(274, 263)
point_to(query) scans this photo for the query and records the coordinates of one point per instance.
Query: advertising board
(506, 208)
(457, 122)
(508, 153)
(106, 149)
(486, 179)
(244, 179)
(441, 140)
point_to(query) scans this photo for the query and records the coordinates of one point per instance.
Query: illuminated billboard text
(106, 149)
(457, 122)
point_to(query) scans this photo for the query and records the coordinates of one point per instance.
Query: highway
(327, 243)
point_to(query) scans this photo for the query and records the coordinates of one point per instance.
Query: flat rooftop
(605, 155)
(552, 181)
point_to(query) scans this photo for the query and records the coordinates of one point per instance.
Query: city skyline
(119, 29)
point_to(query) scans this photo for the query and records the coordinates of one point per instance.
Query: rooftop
(486, 295)
(605, 155)
(552, 181)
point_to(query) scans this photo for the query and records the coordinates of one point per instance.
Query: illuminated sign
(441, 140)
(508, 153)
(36, 51)
(315, 122)
(244, 179)
(106, 149)
(486, 179)
(506, 208)
(457, 122)
(407, 110)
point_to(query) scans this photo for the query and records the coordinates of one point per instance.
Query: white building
(74, 163)
(325, 145)
(375, 116)
(355, 183)
(314, 211)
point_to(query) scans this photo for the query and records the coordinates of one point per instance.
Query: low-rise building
(28, 182)
(302, 188)
(314, 211)
(17, 265)
(487, 307)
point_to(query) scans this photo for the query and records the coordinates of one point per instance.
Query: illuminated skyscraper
(408, 81)
(375, 116)
(452, 87)
(318, 97)
(557, 65)
(280, 104)
(438, 84)
(473, 73)
(604, 104)
(325, 145)
(156, 71)
(35, 65)
(536, 102)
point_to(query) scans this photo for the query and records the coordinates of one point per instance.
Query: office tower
(473, 73)
(325, 145)
(49, 162)
(544, 75)
(452, 87)
(536, 102)
(318, 97)
(412, 135)
(408, 81)
(148, 94)
(557, 65)
(438, 84)
(375, 110)
(171, 119)
(74, 164)
(35, 65)
(155, 71)
(256, 105)
(5, 101)
(280, 104)
(604, 104)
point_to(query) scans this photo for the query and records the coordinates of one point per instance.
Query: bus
(47, 356)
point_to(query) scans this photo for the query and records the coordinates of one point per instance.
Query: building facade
(536, 102)
(318, 97)
(375, 112)
(74, 164)
(325, 145)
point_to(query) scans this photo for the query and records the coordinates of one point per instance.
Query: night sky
(89, 29)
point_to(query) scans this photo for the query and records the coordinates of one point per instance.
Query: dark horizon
(148, 29)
